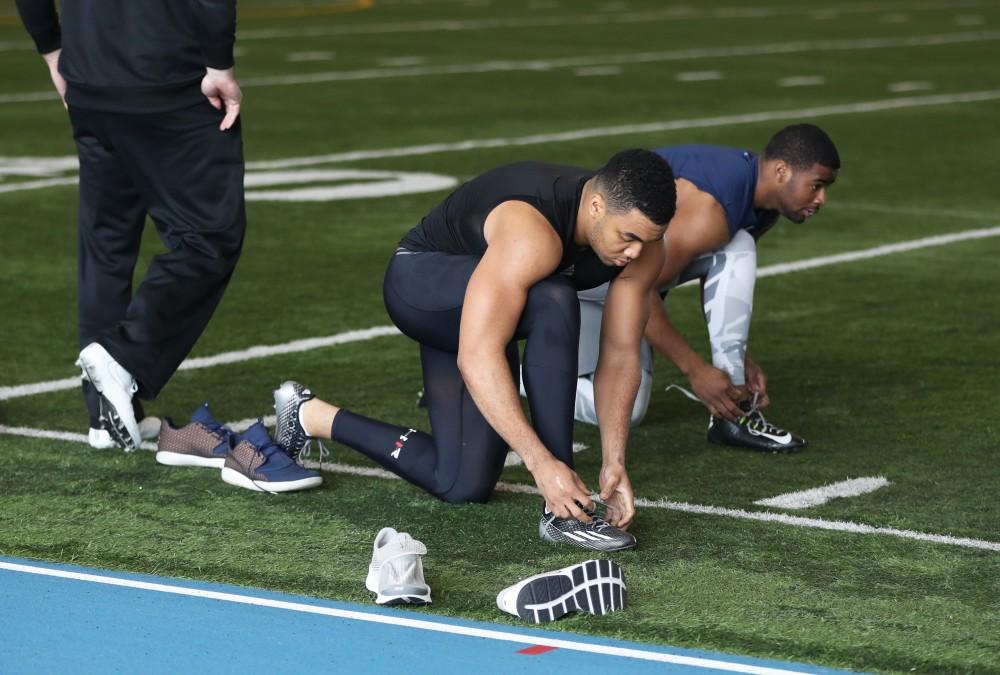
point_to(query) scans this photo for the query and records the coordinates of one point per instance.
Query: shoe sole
(116, 428)
(776, 450)
(595, 587)
(180, 459)
(404, 599)
(234, 477)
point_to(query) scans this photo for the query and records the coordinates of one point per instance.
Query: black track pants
(178, 168)
(461, 460)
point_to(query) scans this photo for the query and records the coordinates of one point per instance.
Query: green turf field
(888, 365)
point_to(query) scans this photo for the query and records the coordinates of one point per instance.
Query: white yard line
(804, 499)
(264, 351)
(605, 60)
(880, 105)
(763, 516)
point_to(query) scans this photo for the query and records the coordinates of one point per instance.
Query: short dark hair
(801, 146)
(639, 179)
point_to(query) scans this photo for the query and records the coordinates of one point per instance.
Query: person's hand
(223, 92)
(616, 492)
(564, 492)
(757, 382)
(716, 391)
(52, 61)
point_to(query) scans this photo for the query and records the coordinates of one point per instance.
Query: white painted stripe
(899, 87)
(836, 525)
(802, 81)
(597, 71)
(530, 65)
(804, 499)
(878, 251)
(896, 103)
(513, 459)
(521, 488)
(914, 211)
(38, 184)
(605, 60)
(699, 76)
(263, 351)
(395, 620)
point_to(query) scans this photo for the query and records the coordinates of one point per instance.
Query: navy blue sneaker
(257, 463)
(201, 442)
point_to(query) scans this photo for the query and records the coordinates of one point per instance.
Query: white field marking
(895, 103)
(263, 351)
(876, 252)
(899, 87)
(804, 499)
(29, 97)
(521, 488)
(302, 57)
(375, 184)
(802, 81)
(513, 459)
(597, 71)
(239, 356)
(396, 61)
(403, 621)
(914, 211)
(969, 20)
(602, 60)
(38, 184)
(623, 59)
(699, 76)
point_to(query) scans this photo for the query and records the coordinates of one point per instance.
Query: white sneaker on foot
(149, 428)
(596, 587)
(116, 387)
(396, 574)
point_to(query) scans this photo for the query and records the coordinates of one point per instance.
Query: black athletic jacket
(133, 55)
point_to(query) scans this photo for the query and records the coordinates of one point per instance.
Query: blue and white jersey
(729, 175)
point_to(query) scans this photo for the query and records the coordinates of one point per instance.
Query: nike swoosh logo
(784, 439)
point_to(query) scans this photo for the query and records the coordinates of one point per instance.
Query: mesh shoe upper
(597, 535)
(202, 436)
(288, 432)
(396, 573)
(259, 458)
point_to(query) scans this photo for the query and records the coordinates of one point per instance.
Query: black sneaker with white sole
(597, 535)
(595, 587)
(752, 431)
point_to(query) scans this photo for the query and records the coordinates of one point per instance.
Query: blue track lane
(91, 623)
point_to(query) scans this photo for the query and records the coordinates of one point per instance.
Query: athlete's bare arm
(616, 380)
(522, 250)
(699, 226)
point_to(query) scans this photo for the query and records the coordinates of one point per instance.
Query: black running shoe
(753, 431)
(596, 587)
(288, 432)
(597, 535)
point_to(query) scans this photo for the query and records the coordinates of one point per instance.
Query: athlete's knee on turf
(467, 494)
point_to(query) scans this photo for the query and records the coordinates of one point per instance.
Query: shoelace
(756, 420)
(307, 449)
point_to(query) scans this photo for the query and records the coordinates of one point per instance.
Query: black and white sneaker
(596, 587)
(753, 431)
(597, 535)
(288, 431)
(115, 386)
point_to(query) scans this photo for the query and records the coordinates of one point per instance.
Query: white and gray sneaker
(597, 535)
(596, 587)
(116, 387)
(396, 573)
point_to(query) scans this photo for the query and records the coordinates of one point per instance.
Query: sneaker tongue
(203, 416)
(257, 434)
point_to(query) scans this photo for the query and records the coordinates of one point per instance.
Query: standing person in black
(501, 260)
(154, 107)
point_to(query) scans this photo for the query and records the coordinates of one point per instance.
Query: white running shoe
(149, 429)
(116, 387)
(396, 574)
(596, 587)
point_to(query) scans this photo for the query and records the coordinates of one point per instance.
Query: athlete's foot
(752, 431)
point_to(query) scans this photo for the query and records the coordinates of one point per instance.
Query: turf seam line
(522, 488)
(420, 624)
(308, 344)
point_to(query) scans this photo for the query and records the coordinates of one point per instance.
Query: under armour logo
(399, 443)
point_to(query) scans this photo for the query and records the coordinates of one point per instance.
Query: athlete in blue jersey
(726, 200)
